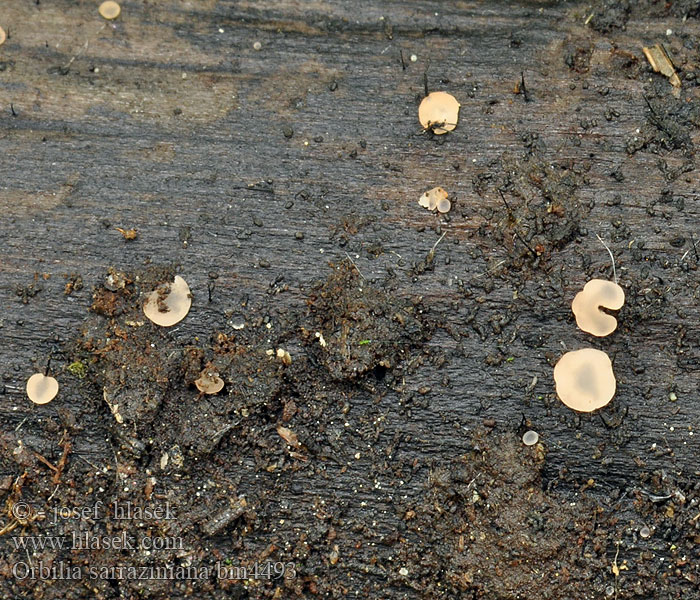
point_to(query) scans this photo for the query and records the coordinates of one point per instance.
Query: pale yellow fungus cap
(109, 10)
(432, 198)
(439, 112)
(586, 306)
(209, 382)
(169, 304)
(3, 36)
(584, 379)
(41, 388)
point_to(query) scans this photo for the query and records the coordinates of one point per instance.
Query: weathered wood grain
(264, 166)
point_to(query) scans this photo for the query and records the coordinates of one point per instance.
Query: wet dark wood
(265, 165)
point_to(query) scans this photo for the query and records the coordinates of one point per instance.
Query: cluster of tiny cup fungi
(165, 306)
(584, 379)
(108, 10)
(438, 113)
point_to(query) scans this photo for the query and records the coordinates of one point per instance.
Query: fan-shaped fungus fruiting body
(109, 10)
(41, 388)
(209, 382)
(434, 199)
(168, 304)
(3, 36)
(586, 306)
(439, 112)
(584, 379)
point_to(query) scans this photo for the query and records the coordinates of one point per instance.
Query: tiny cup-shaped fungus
(439, 112)
(168, 304)
(530, 438)
(435, 198)
(3, 36)
(109, 10)
(41, 388)
(584, 379)
(209, 382)
(586, 306)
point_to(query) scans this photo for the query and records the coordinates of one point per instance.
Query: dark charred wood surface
(254, 170)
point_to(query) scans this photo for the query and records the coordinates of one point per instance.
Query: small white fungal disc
(444, 205)
(41, 389)
(439, 112)
(432, 198)
(3, 36)
(109, 10)
(530, 438)
(169, 304)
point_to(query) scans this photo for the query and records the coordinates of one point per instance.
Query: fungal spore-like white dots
(168, 304)
(41, 388)
(438, 112)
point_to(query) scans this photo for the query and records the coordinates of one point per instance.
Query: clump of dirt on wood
(611, 15)
(496, 533)
(357, 329)
(172, 444)
(669, 125)
(541, 212)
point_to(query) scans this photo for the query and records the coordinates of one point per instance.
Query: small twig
(695, 249)
(612, 258)
(431, 254)
(84, 47)
(515, 229)
(46, 462)
(52, 494)
(62, 461)
(354, 265)
(523, 88)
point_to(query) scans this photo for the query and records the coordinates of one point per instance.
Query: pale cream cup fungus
(209, 382)
(584, 379)
(109, 10)
(3, 36)
(439, 112)
(444, 205)
(168, 304)
(41, 388)
(586, 306)
(434, 198)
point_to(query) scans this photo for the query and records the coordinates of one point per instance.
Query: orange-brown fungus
(41, 388)
(586, 306)
(168, 304)
(439, 112)
(109, 10)
(584, 379)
